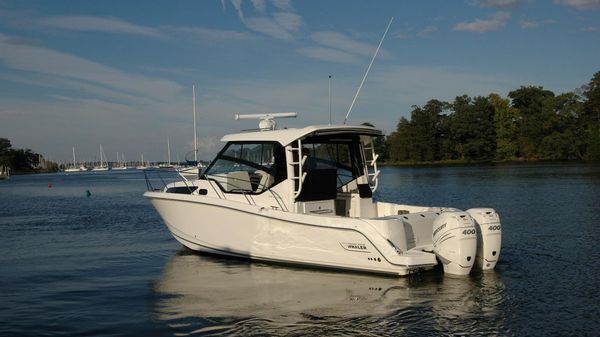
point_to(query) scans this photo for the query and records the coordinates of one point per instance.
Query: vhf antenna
(369, 68)
(329, 99)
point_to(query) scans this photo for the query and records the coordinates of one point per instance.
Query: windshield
(248, 167)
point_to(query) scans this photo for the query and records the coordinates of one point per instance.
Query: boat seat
(238, 180)
(364, 190)
(266, 180)
(319, 184)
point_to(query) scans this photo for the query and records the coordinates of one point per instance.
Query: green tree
(399, 143)
(380, 144)
(427, 131)
(5, 151)
(472, 128)
(506, 127)
(563, 139)
(590, 117)
(23, 159)
(535, 107)
(17, 159)
(423, 137)
(5, 146)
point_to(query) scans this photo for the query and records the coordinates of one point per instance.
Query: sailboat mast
(169, 151)
(195, 138)
(74, 156)
(101, 160)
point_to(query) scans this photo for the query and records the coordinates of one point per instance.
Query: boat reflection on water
(200, 294)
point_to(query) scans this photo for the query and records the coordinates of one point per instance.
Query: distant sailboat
(74, 168)
(142, 165)
(120, 163)
(192, 172)
(4, 172)
(168, 164)
(103, 166)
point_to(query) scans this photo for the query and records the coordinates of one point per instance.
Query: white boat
(4, 172)
(191, 172)
(73, 168)
(305, 196)
(121, 165)
(103, 166)
(168, 163)
(142, 165)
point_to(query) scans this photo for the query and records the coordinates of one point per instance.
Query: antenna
(369, 68)
(195, 138)
(267, 120)
(329, 99)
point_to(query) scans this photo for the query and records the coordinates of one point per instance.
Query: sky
(120, 73)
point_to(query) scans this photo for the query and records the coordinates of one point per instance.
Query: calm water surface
(105, 265)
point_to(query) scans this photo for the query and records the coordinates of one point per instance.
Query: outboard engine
(455, 241)
(489, 237)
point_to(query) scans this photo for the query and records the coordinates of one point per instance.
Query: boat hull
(235, 229)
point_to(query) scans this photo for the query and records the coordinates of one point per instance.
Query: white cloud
(209, 33)
(53, 63)
(340, 48)
(400, 35)
(99, 24)
(580, 4)
(428, 31)
(290, 21)
(591, 29)
(528, 24)
(237, 4)
(481, 26)
(330, 55)
(268, 27)
(280, 25)
(500, 3)
(343, 42)
(285, 5)
(260, 6)
(119, 26)
(81, 87)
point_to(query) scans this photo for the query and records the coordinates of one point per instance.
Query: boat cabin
(316, 169)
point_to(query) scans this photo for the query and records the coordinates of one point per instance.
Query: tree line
(532, 123)
(22, 160)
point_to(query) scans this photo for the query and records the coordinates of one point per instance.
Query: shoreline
(451, 163)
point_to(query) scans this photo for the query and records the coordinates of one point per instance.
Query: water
(105, 265)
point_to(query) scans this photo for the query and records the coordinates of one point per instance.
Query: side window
(332, 155)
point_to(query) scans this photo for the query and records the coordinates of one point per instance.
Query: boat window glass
(338, 154)
(247, 167)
